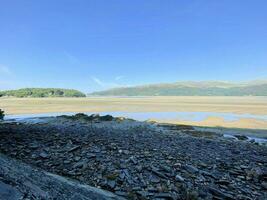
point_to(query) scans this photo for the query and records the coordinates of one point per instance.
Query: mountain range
(191, 88)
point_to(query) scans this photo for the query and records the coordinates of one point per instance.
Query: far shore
(236, 105)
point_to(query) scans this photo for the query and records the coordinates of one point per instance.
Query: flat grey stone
(44, 185)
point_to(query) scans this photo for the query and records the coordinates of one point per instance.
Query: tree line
(42, 92)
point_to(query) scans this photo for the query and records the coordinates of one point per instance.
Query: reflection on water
(185, 116)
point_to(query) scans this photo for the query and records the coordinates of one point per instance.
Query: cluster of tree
(1, 114)
(42, 92)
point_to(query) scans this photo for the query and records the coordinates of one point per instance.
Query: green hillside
(190, 89)
(42, 92)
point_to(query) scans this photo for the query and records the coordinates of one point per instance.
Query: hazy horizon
(188, 83)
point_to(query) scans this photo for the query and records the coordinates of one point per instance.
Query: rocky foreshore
(140, 160)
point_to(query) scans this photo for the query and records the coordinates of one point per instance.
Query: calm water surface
(142, 116)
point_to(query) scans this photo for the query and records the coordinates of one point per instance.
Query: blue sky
(98, 44)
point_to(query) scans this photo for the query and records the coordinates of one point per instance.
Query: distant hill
(204, 88)
(42, 92)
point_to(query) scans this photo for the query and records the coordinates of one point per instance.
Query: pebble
(179, 178)
(220, 194)
(191, 169)
(79, 164)
(264, 185)
(44, 155)
(111, 184)
(73, 148)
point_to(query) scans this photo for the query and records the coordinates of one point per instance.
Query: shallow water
(142, 116)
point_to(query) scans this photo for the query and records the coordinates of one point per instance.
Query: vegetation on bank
(2, 115)
(42, 92)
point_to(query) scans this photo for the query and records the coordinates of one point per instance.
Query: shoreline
(215, 122)
(251, 133)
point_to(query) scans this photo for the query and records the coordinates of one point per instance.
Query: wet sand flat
(237, 105)
(243, 123)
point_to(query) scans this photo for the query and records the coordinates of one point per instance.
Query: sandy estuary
(231, 112)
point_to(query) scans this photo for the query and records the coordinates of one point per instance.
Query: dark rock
(152, 189)
(191, 169)
(159, 174)
(132, 158)
(257, 173)
(34, 146)
(244, 166)
(94, 116)
(44, 155)
(73, 148)
(80, 164)
(66, 161)
(91, 155)
(166, 169)
(106, 118)
(205, 173)
(264, 185)
(220, 194)
(111, 184)
(223, 182)
(77, 158)
(122, 175)
(154, 179)
(241, 137)
(139, 168)
(192, 194)
(112, 176)
(179, 178)
(165, 195)
(80, 115)
(143, 194)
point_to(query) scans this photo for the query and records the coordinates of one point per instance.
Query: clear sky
(97, 44)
